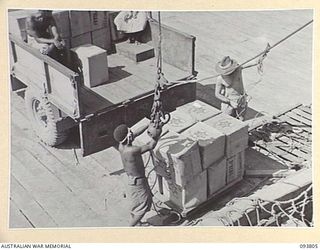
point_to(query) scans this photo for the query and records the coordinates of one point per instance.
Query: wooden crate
(236, 132)
(235, 167)
(217, 174)
(94, 64)
(179, 121)
(199, 110)
(178, 158)
(187, 197)
(79, 22)
(211, 142)
(99, 20)
(61, 18)
(102, 39)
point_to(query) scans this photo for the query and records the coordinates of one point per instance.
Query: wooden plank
(145, 76)
(295, 123)
(281, 153)
(306, 109)
(52, 194)
(89, 173)
(16, 217)
(299, 118)
(90, 181)
(295, 151)
(29, 206)
(297, 143)
(303, 114)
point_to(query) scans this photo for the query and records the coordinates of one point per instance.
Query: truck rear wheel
(43, 119)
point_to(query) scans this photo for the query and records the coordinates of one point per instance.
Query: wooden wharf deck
(56, 187)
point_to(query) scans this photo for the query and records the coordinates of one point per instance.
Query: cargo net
(296, 212)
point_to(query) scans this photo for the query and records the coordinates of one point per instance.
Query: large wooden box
(217, 174)
(61, 18)
(94, 64)
(79, 22)
(187, 197)
(181, 157)
(211, 142)
(179, 121)
(235, 130)
(102, 39)
(99, 20)
(199, 110)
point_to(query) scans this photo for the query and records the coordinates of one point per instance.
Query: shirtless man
(229, 88)
(131, 156)
(43, 34)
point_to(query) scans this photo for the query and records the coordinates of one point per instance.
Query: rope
(263, 53)
(159, 59)
(294, 211)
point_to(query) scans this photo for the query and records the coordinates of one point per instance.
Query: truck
(56, 98)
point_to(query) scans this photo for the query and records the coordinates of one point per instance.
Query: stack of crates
(200, 153)
(236, 141)
(76, 28)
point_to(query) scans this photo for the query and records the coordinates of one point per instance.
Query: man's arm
(219, 88)
(54, 29)
(149, 146)
(140, 130)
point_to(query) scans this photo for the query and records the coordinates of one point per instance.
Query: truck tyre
(43, 119)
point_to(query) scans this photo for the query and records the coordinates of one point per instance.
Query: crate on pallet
(235, 130)
(179, 121)
(211, 142)
(235, 167)
(177, 157)
(217, 174)
(79, 22)
(199, 110)
(94, 64)
(186, 197)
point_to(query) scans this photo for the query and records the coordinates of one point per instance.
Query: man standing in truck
(43, 34)
(132, 23)
(229, 88)
(131, 156)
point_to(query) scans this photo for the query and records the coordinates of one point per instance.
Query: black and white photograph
(139, 118)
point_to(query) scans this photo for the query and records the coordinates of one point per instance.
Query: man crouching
(139, 191)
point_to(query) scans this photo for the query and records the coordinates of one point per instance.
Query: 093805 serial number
(308, 246)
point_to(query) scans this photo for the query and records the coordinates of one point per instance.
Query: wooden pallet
(290, 148)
